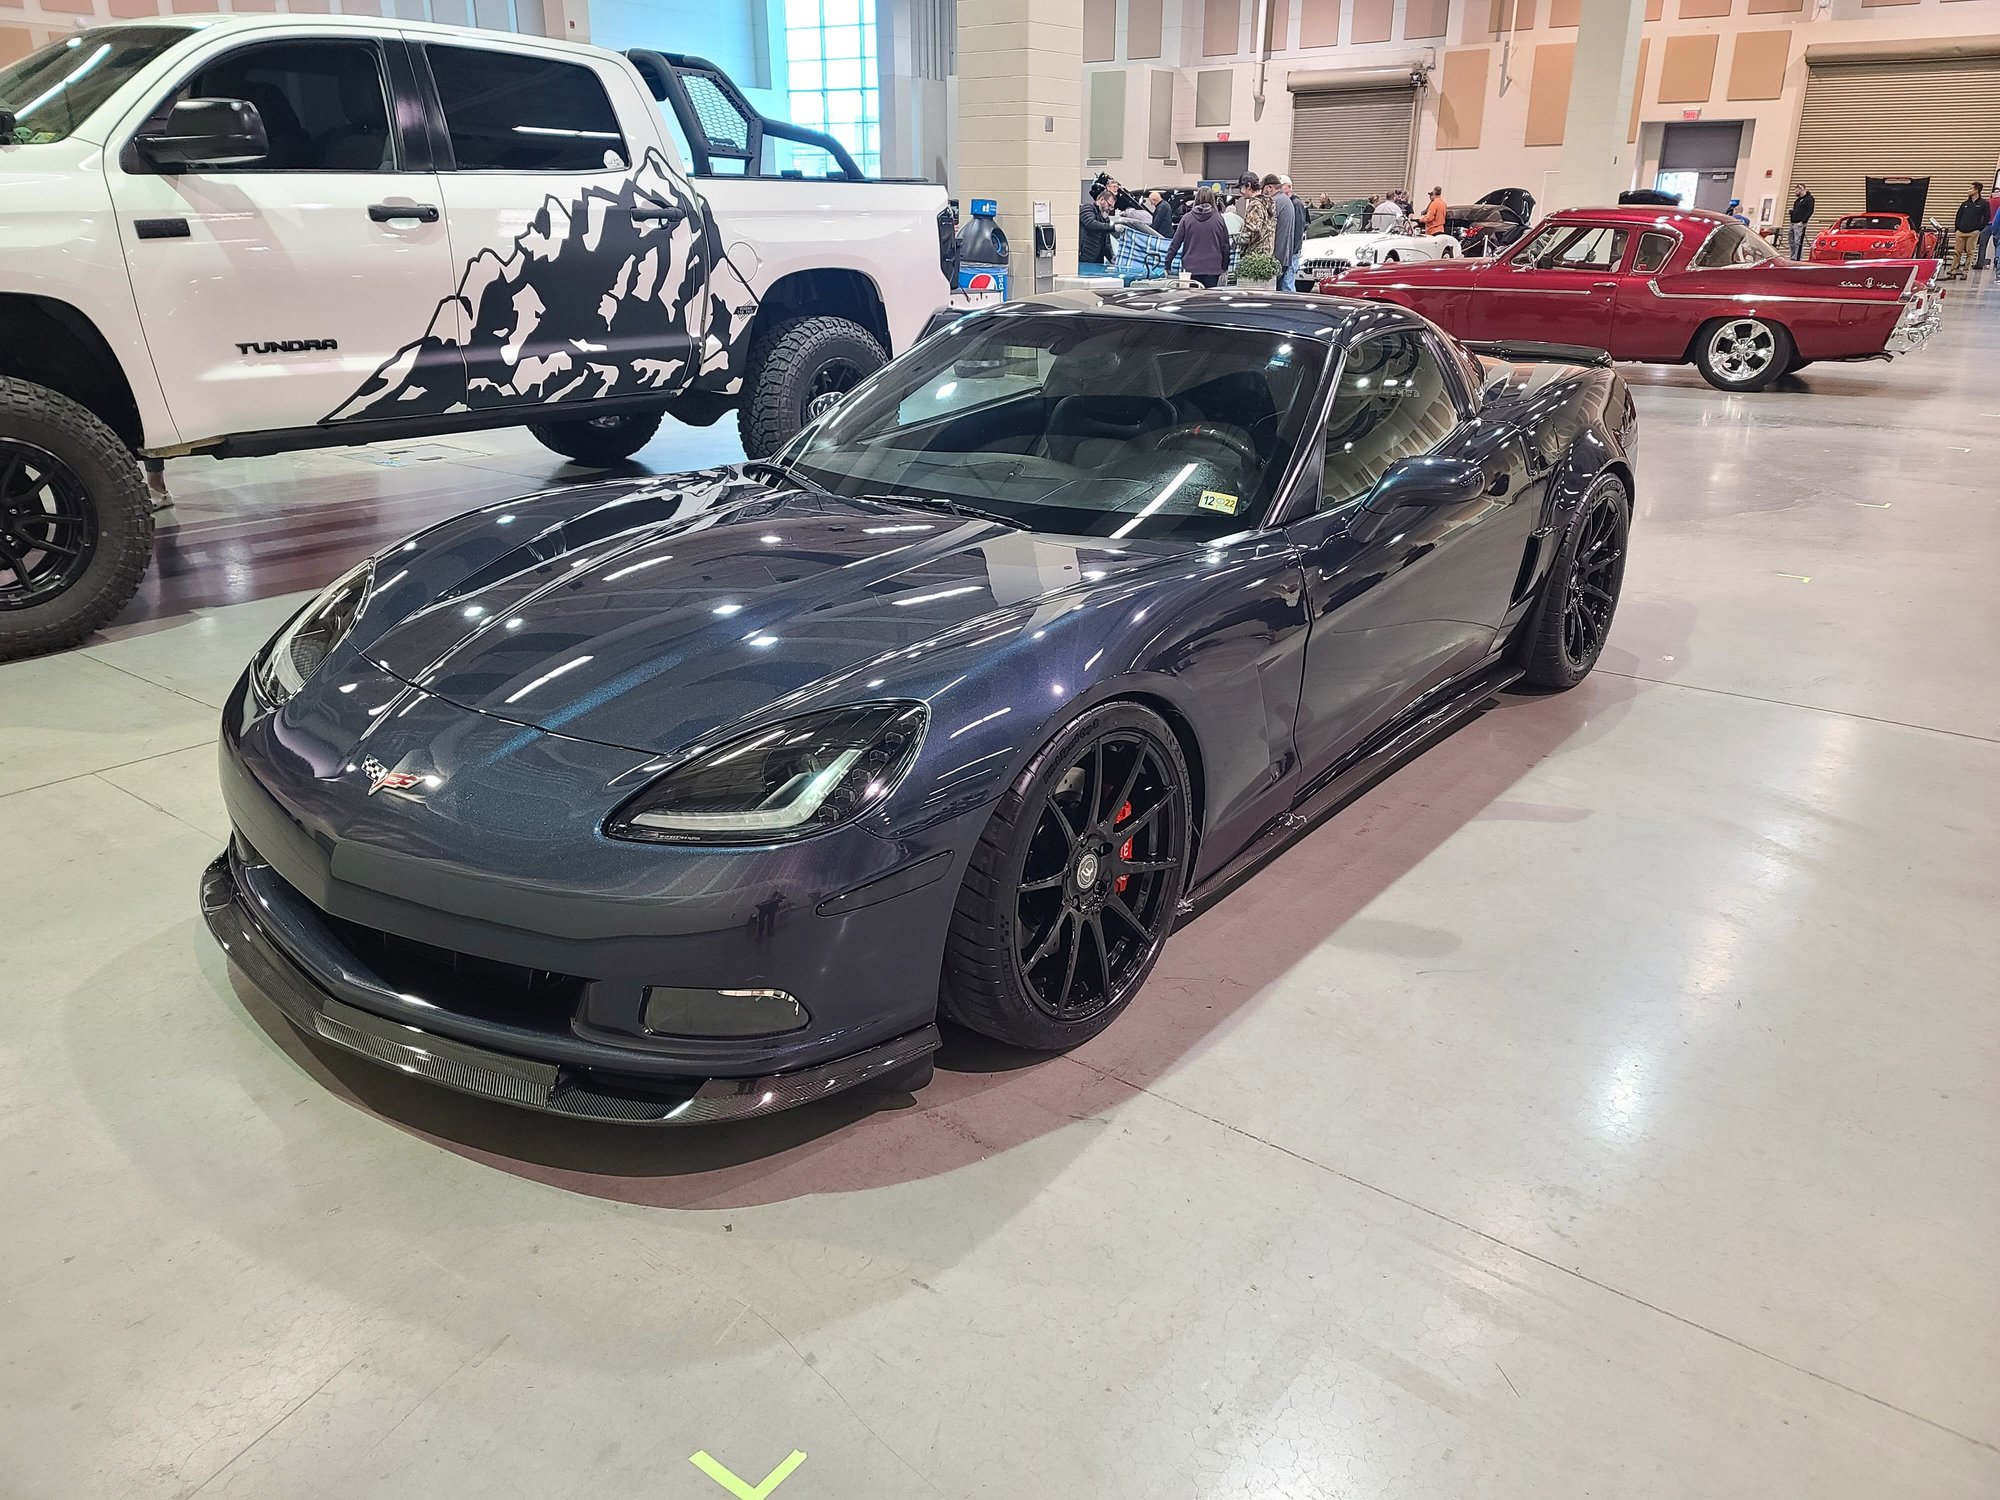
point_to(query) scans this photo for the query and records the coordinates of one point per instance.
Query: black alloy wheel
(1595, 568)
(1567, 631)
(1098, 890)
(829, 383)
(598, 441)
(48, 527)
(1075, 884)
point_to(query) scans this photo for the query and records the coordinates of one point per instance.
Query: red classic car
(1669, 286)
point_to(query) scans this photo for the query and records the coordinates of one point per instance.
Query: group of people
(1264, 216)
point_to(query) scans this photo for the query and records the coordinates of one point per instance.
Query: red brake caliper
(1125, 850)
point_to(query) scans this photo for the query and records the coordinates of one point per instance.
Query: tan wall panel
(1374, 20)
(1776, 7)
(1462, 98)
(1701, 10)
(1100, 30)
(1687, 69)
(1212, 90)
(1221, 24)
(1872, 3)
(73, 7)
(1319, 23)
(1142, 28)
(1523, 12)
(16, 42)
(134, 10)
(1565, 12)
(1639, 86)
(1548, 93)
(1757, 66)
(1278, 16)
(1655, 9)
(1425, 18)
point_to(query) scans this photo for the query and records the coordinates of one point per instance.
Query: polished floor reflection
(1603, 1105)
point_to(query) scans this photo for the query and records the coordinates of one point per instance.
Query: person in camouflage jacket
(1254, 206)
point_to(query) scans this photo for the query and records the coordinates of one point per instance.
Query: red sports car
(1669, 286)
(1866, 237)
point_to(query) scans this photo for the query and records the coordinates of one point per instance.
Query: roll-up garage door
(1934, 112)
(1352, 143)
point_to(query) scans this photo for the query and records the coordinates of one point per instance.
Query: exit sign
(1690, 114)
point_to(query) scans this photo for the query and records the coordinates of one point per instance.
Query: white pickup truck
(249, 234)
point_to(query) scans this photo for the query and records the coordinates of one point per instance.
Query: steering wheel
(1209, 432)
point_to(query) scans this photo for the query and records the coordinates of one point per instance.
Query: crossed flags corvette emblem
(381, 778)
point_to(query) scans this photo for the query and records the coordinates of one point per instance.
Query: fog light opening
(677, 1010)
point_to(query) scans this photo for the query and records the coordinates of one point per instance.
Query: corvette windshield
(1083, 425)
(1881, 222)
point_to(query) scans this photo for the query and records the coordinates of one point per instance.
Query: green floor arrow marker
(742, 1489)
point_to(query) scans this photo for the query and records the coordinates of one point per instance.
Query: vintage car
(690, 797)
(1670, 286)
(1332, 254)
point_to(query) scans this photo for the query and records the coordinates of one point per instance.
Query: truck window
(510, 113)
(53, 91)
(324, 104)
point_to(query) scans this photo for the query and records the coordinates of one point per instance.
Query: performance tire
(76, 526)
(1074, 885)
(1567, 631)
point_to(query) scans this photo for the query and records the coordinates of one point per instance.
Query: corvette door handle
(657, 214)
(1500, 483)
(423, 213)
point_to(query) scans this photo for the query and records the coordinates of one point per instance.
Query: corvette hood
(654, 636)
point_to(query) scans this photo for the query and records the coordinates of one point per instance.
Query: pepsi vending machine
(982, 251)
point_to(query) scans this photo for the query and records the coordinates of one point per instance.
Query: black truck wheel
(797, 371)
(76, 528)
(598, 441)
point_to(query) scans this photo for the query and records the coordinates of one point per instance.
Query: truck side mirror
(207, 133)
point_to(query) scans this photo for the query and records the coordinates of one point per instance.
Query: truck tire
(598, 442)
(794, 371)
(76, 527)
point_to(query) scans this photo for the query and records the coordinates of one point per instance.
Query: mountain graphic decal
(586, 302)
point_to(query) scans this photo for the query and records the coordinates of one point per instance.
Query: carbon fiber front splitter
(522, 1080)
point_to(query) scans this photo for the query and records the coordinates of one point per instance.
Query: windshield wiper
(950, 508)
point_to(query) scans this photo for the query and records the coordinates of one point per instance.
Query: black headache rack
(1528, 352)
(721, 125)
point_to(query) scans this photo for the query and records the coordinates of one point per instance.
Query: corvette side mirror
(207, 133)
(1427, 481)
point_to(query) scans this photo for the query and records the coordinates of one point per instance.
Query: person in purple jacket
(1201, 239)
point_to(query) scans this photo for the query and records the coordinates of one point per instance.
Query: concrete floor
(1605, 1105)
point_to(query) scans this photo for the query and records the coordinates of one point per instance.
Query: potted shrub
(1257, 270)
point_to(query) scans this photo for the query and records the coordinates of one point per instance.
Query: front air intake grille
(1332, 265)
(464, 983)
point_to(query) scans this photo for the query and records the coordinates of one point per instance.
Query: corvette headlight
(1364, 256)
(785, 781)
(297, 651)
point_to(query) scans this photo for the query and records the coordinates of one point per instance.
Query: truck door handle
(645, 213)
(423, 213)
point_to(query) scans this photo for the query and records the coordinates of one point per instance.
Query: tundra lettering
(288, 346)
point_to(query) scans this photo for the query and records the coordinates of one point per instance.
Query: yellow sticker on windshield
(1218, 500)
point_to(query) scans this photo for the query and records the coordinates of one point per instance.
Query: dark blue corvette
(672, 800)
